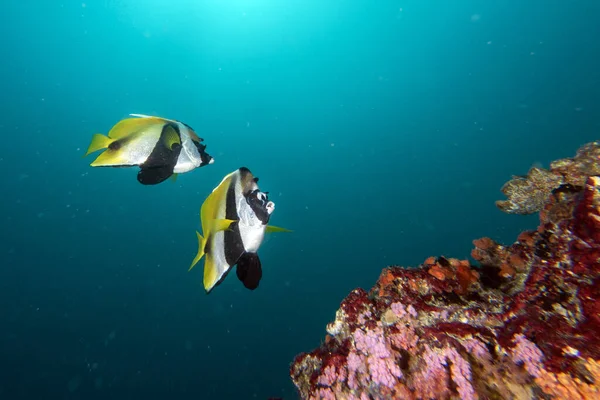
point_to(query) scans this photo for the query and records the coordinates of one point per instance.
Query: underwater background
(383, 131)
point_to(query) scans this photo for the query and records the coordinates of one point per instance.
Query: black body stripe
(161, 161)
(230, 206)
(234, 247)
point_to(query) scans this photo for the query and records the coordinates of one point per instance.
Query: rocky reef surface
(521, 322)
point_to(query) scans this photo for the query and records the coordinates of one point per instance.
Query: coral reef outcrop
(521, 321)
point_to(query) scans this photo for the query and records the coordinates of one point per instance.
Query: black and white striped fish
(161, 148)
(234, 220)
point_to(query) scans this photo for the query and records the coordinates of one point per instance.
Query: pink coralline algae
(523, 322)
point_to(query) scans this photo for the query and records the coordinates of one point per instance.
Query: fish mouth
(270, 207)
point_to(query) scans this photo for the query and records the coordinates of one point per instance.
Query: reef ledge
(520, 322)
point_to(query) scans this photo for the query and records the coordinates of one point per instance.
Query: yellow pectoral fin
(273, 228)
(170, 137)
(99, 142)
(220, 224)
(173, 178)
(201, 244)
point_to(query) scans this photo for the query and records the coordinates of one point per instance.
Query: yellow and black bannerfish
(161, 148)
(234, 220)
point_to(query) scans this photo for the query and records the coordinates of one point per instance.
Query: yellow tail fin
(201, 244)
(99, 142)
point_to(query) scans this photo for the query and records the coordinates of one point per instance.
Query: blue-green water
(382, 129)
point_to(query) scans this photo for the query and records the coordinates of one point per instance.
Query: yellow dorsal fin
(170, 137)
(99, 142)
(273, 228)
(130, 126)
(201, 244)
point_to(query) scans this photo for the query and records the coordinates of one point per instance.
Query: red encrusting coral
(523, 323)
